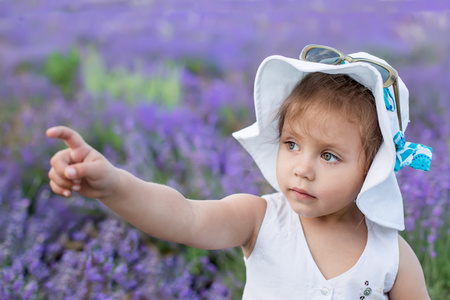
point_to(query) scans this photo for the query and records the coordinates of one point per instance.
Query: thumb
(94, 170)
(92, 179)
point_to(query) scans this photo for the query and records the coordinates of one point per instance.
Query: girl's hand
(80, 167)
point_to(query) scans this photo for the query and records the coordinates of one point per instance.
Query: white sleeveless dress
(282, 267)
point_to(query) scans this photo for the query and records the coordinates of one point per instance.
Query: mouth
(302, 194)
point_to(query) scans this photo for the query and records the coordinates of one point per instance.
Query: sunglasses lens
(322, 55)
(384, 72)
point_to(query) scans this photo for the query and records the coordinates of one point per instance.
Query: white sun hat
(380, 199)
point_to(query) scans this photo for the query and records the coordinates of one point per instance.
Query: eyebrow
(324, 143)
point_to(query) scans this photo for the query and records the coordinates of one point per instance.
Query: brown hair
(336, 93)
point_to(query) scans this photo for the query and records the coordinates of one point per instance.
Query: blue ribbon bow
(416, 156)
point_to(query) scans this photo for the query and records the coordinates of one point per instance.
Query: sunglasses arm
(397, 103)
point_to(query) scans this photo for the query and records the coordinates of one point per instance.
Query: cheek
(281, 167)
(345, 181)
(354, 184)
(278, 167)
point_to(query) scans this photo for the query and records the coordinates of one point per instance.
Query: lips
(302, 194)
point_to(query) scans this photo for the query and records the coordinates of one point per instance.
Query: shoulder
(243, 208)
(229, 222)
(258, 205)
(249, 207)
(246, 202)
(410, 281)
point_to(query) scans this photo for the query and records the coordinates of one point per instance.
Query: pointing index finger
(72, 139)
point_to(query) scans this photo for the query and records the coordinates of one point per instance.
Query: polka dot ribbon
(412, 155)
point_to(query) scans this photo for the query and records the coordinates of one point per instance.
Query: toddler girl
(328, 137)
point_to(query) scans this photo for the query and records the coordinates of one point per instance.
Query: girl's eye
(292, 146)
(330, 157)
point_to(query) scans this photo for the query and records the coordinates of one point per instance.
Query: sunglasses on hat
(331, 56)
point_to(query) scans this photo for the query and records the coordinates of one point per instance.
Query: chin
(302, 212)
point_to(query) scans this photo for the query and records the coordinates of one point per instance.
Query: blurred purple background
(158, 86)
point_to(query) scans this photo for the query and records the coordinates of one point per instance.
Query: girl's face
(320, 165)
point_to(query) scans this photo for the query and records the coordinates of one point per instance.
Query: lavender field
(158, 86)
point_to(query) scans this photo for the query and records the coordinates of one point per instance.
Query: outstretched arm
(155, 209)
(410, 282)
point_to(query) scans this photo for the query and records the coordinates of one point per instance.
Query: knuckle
(56, 158)
(53, 160)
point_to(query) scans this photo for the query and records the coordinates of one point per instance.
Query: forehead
(325, 127)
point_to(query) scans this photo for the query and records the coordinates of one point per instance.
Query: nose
(304, 167)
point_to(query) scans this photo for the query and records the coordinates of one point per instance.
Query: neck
(350, 215)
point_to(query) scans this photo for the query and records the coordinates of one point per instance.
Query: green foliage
(230, 262)
(235, 119)
(62, 70)
(132, 85)
(194, 255)
(437, 269)
(203, 67)
(106, 136)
